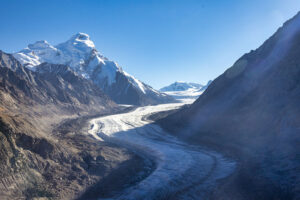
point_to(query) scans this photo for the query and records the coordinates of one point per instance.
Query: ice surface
(182, 169)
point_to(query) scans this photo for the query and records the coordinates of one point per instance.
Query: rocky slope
(80, 54)
(252, 112)
(43, 156)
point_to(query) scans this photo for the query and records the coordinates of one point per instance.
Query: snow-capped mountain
(184, 91)
(181, 86)
(52, 84)
(80, 54)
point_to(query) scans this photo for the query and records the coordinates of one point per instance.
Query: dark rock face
(252, 111)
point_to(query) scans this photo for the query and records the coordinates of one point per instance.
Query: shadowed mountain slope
(252, 112)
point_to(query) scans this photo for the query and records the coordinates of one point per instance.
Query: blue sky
(158, 41)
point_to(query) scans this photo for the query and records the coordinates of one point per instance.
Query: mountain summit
(80, 53)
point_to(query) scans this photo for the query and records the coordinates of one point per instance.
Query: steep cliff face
(252, 111)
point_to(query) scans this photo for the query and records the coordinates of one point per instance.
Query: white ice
(183, 170)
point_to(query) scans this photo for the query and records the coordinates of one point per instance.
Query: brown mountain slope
(37, 161)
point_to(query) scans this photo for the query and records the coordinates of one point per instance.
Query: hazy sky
(158, 41)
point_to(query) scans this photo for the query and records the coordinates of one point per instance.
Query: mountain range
(48, 84)
(81, 55)
(184, 91)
